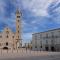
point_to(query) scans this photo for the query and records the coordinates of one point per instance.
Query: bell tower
(18, 29)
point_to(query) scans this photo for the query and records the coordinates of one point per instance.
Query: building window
(18, 36)
(59, 34)
(18, 31)
(0, 36)
(18, 16)
(35, 37)
(18, 20)
(41, 46)
(13, 36)
(46, 35)
(18, 26)
(52, 42)
(7, 32)
(35, 42)
(40, 35)
(41, 43)
(52, 33)
(35, 46)
(56, 36)
(7, 36)
(6, 43)
(46, 41)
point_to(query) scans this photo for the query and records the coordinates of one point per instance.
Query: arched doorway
(52, 48)
(46, 48)
(5, 47)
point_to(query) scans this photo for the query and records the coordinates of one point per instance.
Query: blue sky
(37, 15)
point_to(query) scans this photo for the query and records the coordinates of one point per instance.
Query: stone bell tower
(18, 29)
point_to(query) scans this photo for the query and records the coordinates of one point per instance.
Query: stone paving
(31, 55)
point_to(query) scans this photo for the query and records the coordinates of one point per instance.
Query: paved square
(22, 54)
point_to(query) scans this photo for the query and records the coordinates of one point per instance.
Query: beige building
(46, 41)
(9, 39)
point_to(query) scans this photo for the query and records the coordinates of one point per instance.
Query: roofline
(46, 31)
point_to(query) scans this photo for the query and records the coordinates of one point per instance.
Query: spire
(18, 11)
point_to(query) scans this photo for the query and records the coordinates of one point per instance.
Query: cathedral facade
(9, 39)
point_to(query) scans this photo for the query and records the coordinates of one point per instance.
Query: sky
(37, 16)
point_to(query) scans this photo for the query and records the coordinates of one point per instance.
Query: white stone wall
(48, 39)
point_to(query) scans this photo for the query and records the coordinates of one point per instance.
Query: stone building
(46, 41)
(10, 39)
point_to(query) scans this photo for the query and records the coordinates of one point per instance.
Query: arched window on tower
(18, 26)
(18, 31)
(6, 43)
(18, 20)
(7, 36)
(18, 16)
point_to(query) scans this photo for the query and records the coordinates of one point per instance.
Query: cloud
(37, 15)
(7, 13)
(54, 11)
(2, 7)
(38, 8)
